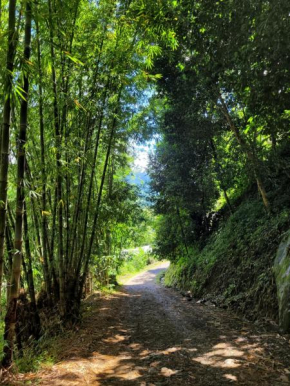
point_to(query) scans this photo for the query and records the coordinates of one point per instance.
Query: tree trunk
(9, 246)
(182, 230)
(248, 152)
(90, 190)
(96, 216)
(30, 280)
(220, 175)
(44, 235)
(59, 198)
(5, 132)
(10, 319)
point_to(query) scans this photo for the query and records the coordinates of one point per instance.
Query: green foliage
(134, 261)
(2, 341)
(209, 81)
(32, 361)
(89, 88)
(222, 136)
(235, 266)
(176, 275)
(119, 253)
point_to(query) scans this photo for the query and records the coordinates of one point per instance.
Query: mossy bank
(235, 268)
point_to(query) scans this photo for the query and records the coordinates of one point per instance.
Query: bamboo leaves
(87, 70)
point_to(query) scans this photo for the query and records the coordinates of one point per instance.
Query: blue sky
(141, 155)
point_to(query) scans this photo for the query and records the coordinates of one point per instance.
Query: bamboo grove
(71, 77)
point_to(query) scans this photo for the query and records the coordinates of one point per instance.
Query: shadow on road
(147, 335)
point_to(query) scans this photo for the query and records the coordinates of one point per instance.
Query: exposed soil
(149, 335)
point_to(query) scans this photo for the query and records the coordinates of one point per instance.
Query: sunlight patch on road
(223, 355)
(135, 346)
(226, 349)
(231, 377)
(170, 350)
(147, 276)
(166, 372)
(141, 280)
(98, 368)
(144, 353)
(115, 339)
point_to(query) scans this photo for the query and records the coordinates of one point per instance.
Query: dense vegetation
(220, 176)
(81, 82)
(72, 80)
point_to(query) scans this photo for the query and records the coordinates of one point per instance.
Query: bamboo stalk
(5, 132)
(10, 318)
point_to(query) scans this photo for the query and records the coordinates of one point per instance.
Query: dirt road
(149, 335)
